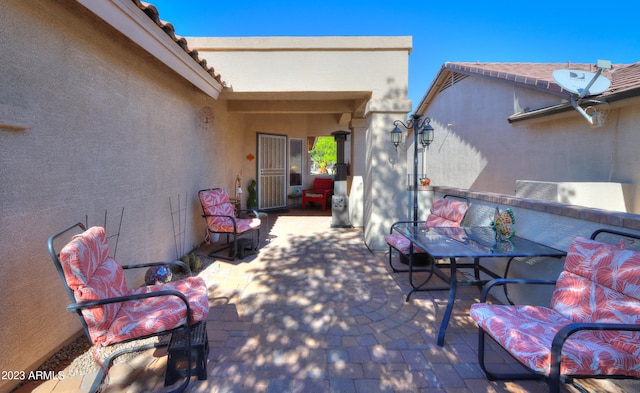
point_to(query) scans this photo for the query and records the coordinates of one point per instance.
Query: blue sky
(540, 31)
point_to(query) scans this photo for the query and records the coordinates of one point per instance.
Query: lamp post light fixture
(423, 133)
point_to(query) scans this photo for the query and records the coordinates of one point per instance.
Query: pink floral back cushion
(82, 255)
(601, 283)
(92, 274)
(216, 203)
(446, 213)
(108, 281)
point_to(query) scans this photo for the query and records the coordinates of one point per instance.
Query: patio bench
(445, 212)
(590, 330)
(112, 313)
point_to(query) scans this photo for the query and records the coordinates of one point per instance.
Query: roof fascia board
(539, 85)
(401, 106)
(543, 114)
(613, 101)
(288, 106)
(433, 89)
(128, 19)
(303, 43)
(515, 80)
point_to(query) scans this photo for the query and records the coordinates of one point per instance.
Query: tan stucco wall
(91, 122)
(310, 64)
(475, 146)
(108, 127)
(303, 68)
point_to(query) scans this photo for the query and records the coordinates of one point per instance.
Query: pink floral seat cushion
(402, 244)
(92, 275)
(600, 283)
(218, 210)
(168, 312)
(444, 213)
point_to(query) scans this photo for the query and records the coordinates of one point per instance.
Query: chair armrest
(563, 334)
(403, 222)
(233, 219)
(150, 264)
(503, 281)
(568, 330)
(137, 296)
(217, 215)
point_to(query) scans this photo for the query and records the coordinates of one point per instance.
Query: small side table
(236, 203)
(293, 200)
(199, 353)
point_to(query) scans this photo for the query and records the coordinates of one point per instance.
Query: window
(295, 162)
(323, 155)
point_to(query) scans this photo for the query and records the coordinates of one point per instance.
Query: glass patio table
(464, 242)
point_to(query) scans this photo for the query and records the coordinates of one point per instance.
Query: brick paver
(316, 311)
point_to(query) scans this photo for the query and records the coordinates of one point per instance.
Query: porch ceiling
(298, 102)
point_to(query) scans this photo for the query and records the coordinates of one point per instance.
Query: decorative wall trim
(628, 221)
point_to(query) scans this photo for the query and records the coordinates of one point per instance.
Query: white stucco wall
(475, 146)
(106, 127)
(329, 74)
(310, 64)
(602, 195)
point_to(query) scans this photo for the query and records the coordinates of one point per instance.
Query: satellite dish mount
(582, 84)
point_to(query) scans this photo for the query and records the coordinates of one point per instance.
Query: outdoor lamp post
(422, 133)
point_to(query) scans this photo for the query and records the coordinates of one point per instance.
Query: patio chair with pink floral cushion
(109, 311)
(591, 328)
(447, 211)
(222, 217)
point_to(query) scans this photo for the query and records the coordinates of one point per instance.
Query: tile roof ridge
(539, 75)
(152, 12)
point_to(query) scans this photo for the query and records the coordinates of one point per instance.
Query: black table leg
(453, 283)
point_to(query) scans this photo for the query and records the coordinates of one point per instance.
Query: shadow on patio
(317, 311)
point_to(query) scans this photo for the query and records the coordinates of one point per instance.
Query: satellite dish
(582, 83)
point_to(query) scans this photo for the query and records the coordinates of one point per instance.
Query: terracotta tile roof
(154, 15)
(623, 77)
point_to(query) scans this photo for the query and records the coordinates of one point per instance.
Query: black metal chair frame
(412, 256)
(554, 379)
(430, 266)
(232, 246)
(78, 307)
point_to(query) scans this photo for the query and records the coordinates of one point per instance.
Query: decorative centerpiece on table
(503, 224)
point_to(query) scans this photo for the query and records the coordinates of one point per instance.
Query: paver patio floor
(317, 311)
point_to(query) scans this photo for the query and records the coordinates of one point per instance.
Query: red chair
(321, 191)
